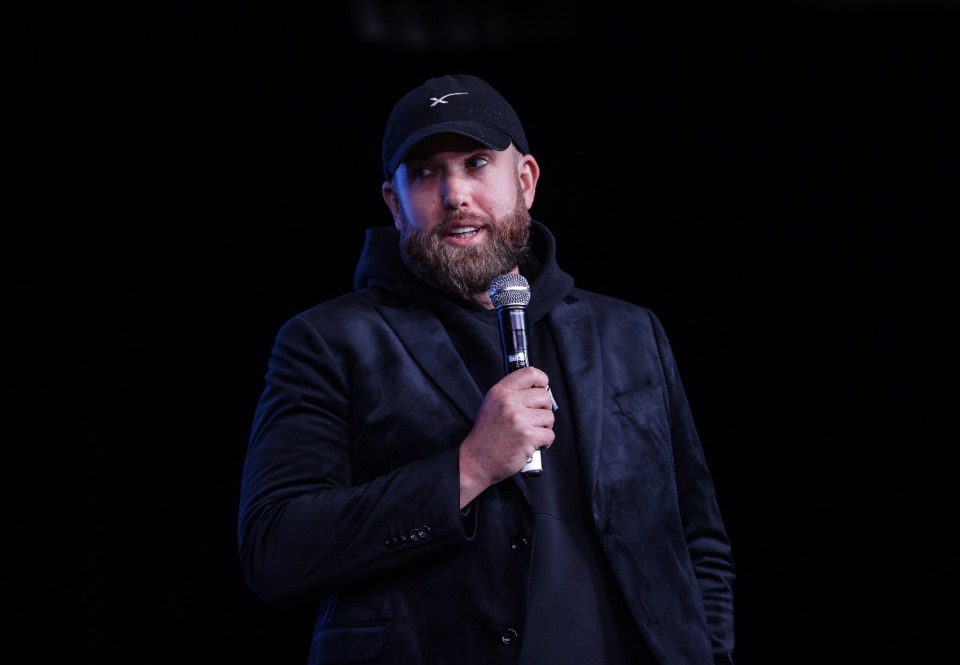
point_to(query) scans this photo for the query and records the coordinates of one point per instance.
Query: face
(463, 212)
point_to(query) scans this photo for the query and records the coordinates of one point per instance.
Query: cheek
(422, 212)
(500, 206)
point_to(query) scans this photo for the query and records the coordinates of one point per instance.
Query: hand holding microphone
(515, 420)
(510, 295)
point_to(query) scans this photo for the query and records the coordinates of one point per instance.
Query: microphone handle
(533, 467)
(513, 334)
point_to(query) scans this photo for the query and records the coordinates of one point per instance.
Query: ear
(529, 172)
(392, 200)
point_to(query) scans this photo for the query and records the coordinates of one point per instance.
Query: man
(382, 482)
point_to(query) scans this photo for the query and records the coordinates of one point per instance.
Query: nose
(456, 192)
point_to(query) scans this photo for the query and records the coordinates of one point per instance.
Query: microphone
(510, 295)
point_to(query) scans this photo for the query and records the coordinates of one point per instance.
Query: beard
(466, 271)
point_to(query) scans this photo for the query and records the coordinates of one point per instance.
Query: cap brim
(488, 136)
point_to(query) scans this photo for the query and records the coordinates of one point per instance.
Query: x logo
(443, 100)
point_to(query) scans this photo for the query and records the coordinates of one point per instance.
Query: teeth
(464, 230)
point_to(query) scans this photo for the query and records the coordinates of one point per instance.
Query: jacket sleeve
(309, 522)
(707, 541)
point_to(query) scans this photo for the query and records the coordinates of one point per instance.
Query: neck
(482, 299)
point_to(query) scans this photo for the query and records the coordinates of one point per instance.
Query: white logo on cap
(443, 100)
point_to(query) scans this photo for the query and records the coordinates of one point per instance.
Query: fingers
(526, 377)
(533, 386)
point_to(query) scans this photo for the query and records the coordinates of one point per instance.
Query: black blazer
(350, 492)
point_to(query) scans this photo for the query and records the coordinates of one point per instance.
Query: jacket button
(508, 636)
(419, 532)
(519, 544)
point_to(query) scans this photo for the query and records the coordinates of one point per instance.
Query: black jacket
(350, 489)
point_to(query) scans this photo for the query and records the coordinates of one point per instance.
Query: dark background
(777, 181)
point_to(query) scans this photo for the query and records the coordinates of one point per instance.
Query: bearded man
(382, 484)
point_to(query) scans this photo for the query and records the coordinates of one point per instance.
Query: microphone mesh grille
(509, 289)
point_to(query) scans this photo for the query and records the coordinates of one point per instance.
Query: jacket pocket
(348, 644)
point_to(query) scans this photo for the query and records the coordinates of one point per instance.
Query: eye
(476, 162)
(420, 170)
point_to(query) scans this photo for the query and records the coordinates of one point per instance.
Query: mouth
(463, 232)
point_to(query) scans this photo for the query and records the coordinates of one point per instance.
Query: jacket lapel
(577, 335)
(428, 343)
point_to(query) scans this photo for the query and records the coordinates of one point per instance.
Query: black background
(776, 180)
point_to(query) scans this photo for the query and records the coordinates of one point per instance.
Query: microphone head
(510, 289)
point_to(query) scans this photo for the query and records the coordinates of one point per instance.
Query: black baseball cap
(461, 104)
